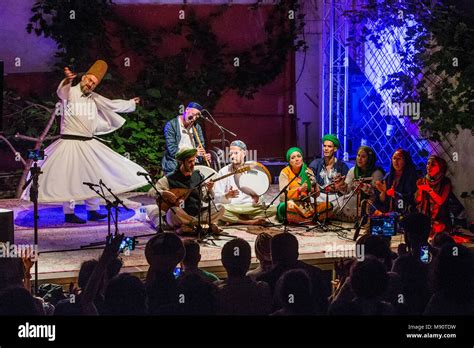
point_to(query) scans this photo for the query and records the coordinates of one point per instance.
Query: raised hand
(209, 185)
(424, 187)
(112, 248)
(303, 189)
(201, 152)
(255, 200)
(27, 263)
(69, 75)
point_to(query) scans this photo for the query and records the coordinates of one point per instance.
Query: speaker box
(6, 226)
(1, 99)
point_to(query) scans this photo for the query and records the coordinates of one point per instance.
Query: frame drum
(206, 171)
(254, 182)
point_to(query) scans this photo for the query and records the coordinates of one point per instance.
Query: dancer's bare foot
(215, 229)
(183, 230)
(252, 222)
(258, 222)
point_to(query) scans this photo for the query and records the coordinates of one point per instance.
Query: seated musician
(183, 132)
(367, 169)
(433, 192)
(300, 209)
(240, 208)
(397, 190)
(328, 168)
(182, 216)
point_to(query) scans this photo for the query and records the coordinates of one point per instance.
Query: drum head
(254, 182)
(206, 171)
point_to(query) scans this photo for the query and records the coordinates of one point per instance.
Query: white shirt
(69, 163)
(328, 175)
(187, 139)
(90, 115)
(224, 185)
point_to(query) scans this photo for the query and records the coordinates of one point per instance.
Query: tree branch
(15, 152)
(31, 105)
(39, 141)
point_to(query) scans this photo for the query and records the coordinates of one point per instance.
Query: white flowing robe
(69, 163)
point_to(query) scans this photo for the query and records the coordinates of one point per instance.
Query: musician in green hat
(181, 187)
(328, 169)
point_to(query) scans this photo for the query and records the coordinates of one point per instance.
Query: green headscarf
(370, 167)
(333, 139)
(303, 175)
(281, 208)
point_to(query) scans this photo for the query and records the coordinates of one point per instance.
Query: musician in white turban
(78, 156)
(240, 208)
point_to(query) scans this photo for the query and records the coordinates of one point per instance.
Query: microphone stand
(221, 128)
(316, 215)
(35, 173)
(205, 235)
(199, 230)
(116, 203)
(109, 205)
(359, 220)
(159, 200)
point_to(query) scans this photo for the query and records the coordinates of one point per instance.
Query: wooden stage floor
(61, 254)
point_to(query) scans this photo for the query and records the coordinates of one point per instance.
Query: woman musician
(433, 192)
(396, 193)
(299, 207)
(360, 179)
(365, 169)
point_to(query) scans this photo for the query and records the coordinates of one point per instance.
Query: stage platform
(61, 254)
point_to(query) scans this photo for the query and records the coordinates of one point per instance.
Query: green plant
(76, 26)
(437, 59)
(203, 70)
(138, 140)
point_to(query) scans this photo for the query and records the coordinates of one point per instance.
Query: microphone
(90, 184)
(142, 174)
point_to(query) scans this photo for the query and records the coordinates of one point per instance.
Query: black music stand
(315, 220)
(206, 235)
(109, 205)
(222, 129)
(159, 200)
(35, 173)
(198, 230)
(284, 191)
(360, 220)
